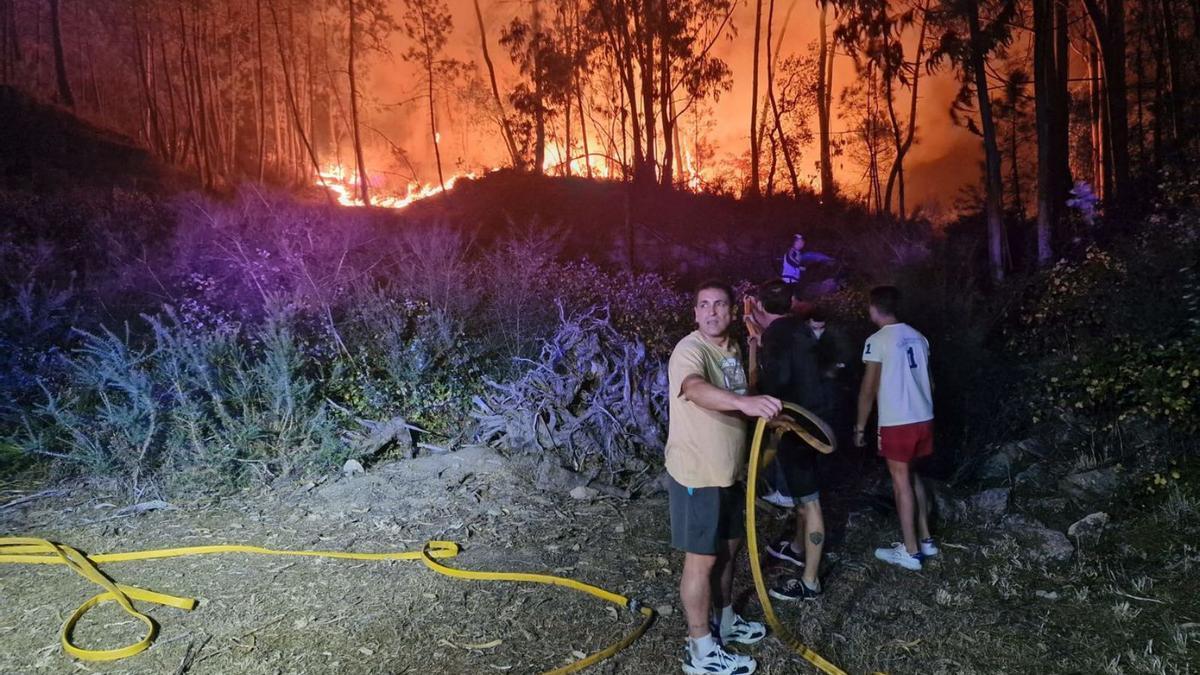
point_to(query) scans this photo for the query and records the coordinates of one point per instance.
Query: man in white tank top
(896, 375)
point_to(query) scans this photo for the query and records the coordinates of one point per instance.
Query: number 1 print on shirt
(912, 361)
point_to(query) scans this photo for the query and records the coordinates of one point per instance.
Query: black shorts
(702, 518)
(799, 463)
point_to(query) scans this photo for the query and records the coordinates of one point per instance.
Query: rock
(1039, 542)
(657, 486)
(152, 505)
(352, 467)
(664, 610)
(584, 493)
(1046, 595)
(1034, 479)
(1091, 525)
(1094, 485)
(948, 506)
(550, 476)
(990, 504)
(998, 466)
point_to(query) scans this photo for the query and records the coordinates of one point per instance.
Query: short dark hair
(818, 314)
(776, 296)
(886, 300)
(713, 283)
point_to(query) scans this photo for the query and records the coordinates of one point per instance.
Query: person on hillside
(797, 260)
(705, 456)
(789, 370)
(896, 374)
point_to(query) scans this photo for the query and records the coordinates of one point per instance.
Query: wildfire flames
(344, 185)
(343, 182)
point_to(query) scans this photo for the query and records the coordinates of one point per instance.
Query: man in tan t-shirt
(706, 454)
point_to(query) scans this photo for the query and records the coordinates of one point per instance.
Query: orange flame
(344, 185)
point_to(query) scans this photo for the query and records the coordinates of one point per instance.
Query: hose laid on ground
(34, 551)
(756, 456)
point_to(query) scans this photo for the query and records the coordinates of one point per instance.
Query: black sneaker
(794, 589)
(786, 552)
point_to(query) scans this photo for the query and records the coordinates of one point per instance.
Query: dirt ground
(1126, 604)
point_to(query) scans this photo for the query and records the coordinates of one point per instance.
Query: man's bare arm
(710, 397)
(866, 397)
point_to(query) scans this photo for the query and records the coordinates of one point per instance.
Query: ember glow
(343, 183)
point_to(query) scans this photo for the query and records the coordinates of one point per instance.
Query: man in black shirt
(789, 370)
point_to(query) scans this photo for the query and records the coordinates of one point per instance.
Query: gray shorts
(702, 518)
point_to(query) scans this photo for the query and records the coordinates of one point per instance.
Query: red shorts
(906, 442)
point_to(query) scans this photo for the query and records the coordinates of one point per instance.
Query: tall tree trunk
(262, 91)
(824, 94)
(1018, 205)
(897, 172)
(771, 55)
(295, 108)
(993, 182)
(363, 193)
(1174, 70)
(10, 43)
(1047, 81)
(437, 140)
(539, 111)
(643, 21)
(60, 65)
(667, 177)
(1096, 110)
(1109, 25)
(755, 188)
(509, 142)
(583, 132)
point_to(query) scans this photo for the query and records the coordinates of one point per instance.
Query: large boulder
(1038, 542)
(1097, 485)
(1090, 526)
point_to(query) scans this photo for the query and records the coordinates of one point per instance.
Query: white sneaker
(897, 555)
(929, 548)
(779, 499)
(740, 630)
(718, 662)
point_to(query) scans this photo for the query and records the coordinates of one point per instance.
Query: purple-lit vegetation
(241, 341)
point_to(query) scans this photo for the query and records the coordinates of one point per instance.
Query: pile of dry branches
(592, 399)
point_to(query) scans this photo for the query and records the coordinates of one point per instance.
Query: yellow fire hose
(757, 454)
(34, 551)
(29, 550)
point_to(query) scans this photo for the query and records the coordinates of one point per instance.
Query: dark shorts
(906, 442)
(799, 464)
(702, 518)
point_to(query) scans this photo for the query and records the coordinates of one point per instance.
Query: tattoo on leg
(816, 538)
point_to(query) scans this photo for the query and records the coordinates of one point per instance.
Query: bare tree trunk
(1174, 70)
(667, 178)
(10, 43)
(363, 193)
(824, 94)
(755, 188)
(296, 118)
(1046, 81)
(1109, 25)
(539, 112)
(509, 143)
(262, 91)
(787, 153)
(583, 133)
(437, 140)
(60, 66)
(645, 58)
(994, 183)
(896, 174)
